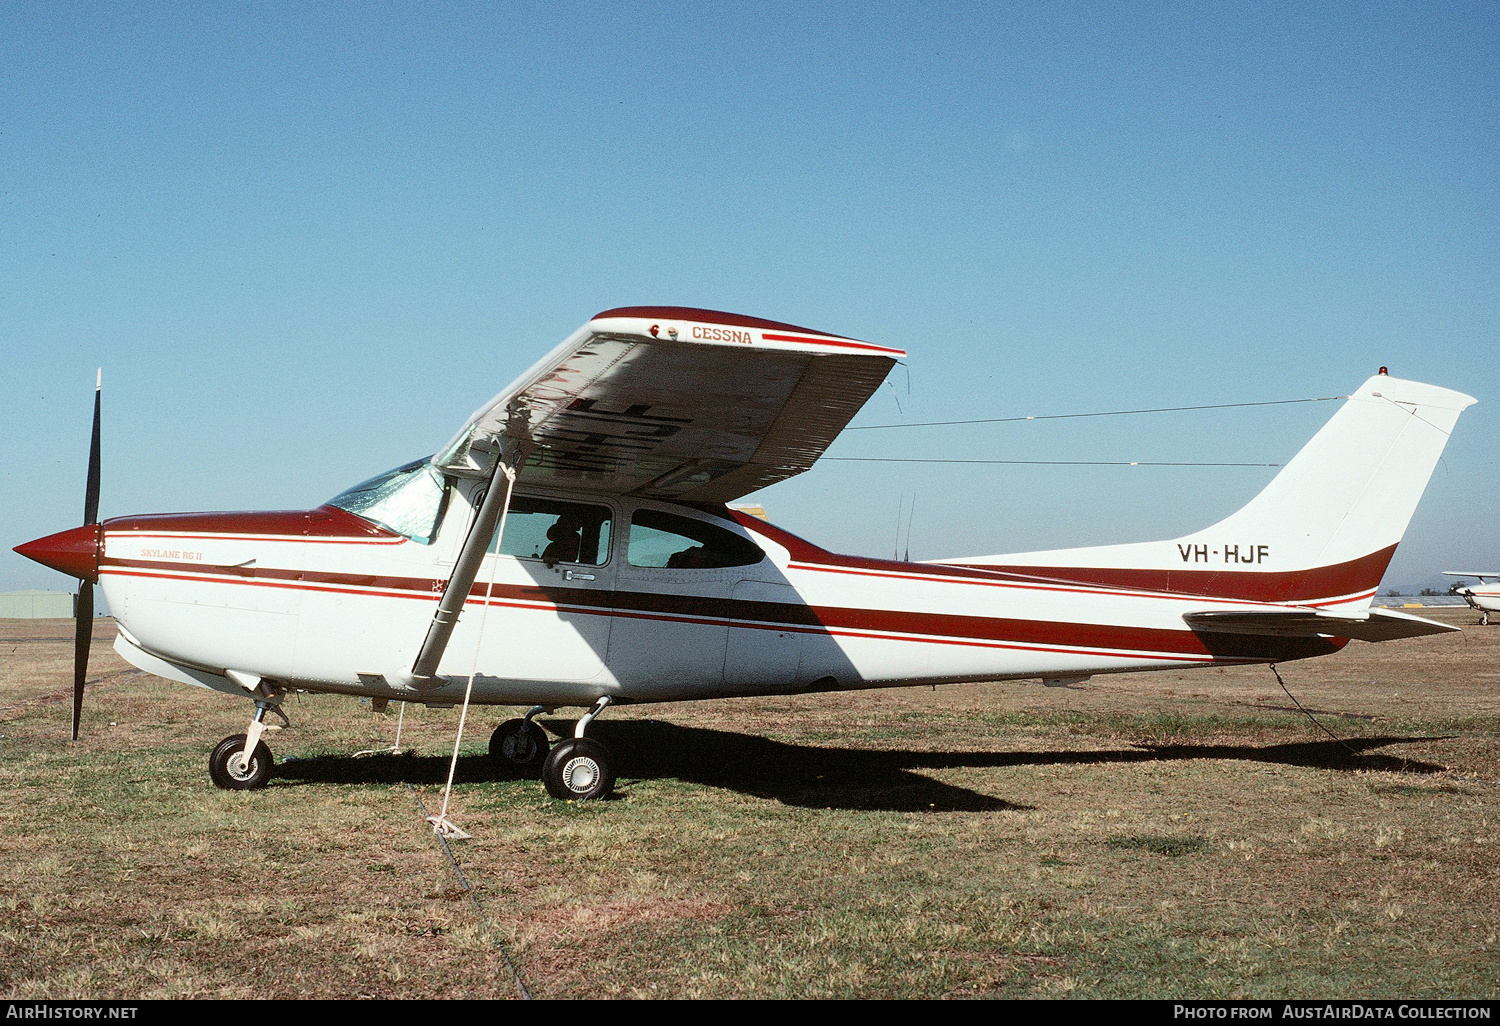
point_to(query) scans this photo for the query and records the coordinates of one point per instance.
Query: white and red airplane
(1483, 597)
(571, 546)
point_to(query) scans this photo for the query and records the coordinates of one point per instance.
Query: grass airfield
(1168, 835)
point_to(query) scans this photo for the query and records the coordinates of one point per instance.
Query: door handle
(574, 575)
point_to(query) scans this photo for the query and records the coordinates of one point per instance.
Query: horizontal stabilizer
(1373, 625)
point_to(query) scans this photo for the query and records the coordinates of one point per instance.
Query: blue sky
(306, 241)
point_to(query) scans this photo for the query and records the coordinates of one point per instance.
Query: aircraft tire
(520, 743)
(223, 773)
(579, 769)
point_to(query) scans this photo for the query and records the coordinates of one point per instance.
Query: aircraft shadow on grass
(841, 778)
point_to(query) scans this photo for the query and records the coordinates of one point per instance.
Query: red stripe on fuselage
(1354, 577)
(1046, 584)
(330, 525)
(1349, 581)
(324, 524)
(941, 627)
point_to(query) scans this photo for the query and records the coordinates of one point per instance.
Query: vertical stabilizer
(1321, 533)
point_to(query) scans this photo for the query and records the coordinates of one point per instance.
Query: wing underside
(673, 403)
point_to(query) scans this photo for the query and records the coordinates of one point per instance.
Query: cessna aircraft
(571, 546)
(1481, 596)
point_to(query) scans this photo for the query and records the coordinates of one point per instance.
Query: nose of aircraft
(74, 552)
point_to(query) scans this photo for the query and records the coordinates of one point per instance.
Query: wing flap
(1375, 625)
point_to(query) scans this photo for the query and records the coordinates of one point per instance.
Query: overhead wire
(1105, 413)
(1043, 463)
(1069, 416)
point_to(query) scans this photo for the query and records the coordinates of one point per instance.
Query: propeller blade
(83, 633)
(91, 492)
(83, 625)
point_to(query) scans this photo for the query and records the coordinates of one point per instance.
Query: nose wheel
(242, 762)
(232, 770)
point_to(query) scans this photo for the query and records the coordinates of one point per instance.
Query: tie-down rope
(474, 900)
(441, 824)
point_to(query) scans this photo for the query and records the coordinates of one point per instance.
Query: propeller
(83, 617)
(76, 552)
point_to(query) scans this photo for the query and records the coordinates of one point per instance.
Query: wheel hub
(518, 748)
(580, 774)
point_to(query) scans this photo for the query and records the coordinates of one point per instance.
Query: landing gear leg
(1484, 618)
(580, 768)
(242, 762)
(521, 743)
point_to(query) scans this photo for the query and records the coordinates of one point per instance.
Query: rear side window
(673, 542)
(556, 532)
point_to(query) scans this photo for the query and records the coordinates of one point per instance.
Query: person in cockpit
(564, 539)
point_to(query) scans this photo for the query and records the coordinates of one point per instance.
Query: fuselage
(1484, 597)
(639, 600)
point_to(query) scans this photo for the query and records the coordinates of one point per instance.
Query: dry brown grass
(1157, 835)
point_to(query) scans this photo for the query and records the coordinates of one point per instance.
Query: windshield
(408, 500)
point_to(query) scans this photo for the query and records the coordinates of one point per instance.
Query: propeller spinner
(76, 552)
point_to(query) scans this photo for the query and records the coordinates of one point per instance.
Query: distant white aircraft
(577, 523)
(1483, 597)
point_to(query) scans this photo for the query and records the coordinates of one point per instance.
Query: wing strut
(492, 510)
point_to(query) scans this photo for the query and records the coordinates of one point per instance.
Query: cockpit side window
(669, 541)
(409, 500)
(556, 532)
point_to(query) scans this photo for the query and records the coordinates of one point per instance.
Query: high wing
(674, 403)
(1372, 625)
(1471, 573)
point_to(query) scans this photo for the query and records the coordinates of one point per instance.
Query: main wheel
(579, 769)
(232, 772)
(519, 743)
